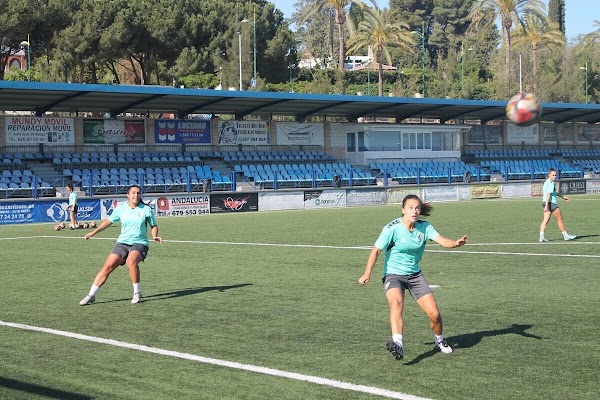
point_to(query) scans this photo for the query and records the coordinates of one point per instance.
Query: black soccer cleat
(395, 348)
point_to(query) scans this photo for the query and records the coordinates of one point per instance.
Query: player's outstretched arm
(449, 243)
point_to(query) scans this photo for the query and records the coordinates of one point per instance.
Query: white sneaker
(544, 240)
(136, 297)
(444, 347)
(87, 300)
(570, 237)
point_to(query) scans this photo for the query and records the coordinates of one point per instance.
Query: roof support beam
(240, 115)
(184, 113)
(122, 109)
(40, 111)
(302, 116)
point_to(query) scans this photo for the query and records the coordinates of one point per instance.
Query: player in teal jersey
(72, 206)
(132, 245)
(550, 204)
(404, 242)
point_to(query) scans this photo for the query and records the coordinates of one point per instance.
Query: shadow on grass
(180, 293)
(41, 390)
(579, 237)
(469, 340)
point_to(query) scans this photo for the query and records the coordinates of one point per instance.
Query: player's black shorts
(553, 206)
(415, 283)
(123, 250)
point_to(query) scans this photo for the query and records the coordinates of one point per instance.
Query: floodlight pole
(253, 23)
(240, 56)
(586, 81)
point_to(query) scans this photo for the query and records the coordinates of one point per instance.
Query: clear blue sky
(579, 14)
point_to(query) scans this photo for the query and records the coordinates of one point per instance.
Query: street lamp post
(422, 36)
(290, 67)
(586, 81)
(253, 23)
(462, 68)
(240, 56)
(25, 44)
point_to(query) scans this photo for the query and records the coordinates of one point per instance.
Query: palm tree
(339, 6)
(594, 36)
(379, 30)
(539, 32)
(509, 12)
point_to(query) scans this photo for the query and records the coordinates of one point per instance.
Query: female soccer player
(404, 240)
(132, 245)
(550, 204)
(72, 206)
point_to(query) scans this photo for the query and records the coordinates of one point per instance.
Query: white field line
(223, 363)
(570, 243)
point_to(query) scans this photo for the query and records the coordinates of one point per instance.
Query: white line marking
(569, 243)
(223, 363)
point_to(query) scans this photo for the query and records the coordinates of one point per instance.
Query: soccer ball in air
(524, 109)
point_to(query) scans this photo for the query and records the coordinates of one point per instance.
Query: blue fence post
(581, 169)
(275, 180)
(350, 180)
(418, 176)
(233, 182)
(449, 175)
(506, 178)
(34, 187)
(314, 179)
(478, 173)
(188, 181)
(532, 172)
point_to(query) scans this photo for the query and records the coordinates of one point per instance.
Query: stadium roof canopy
(42, 98)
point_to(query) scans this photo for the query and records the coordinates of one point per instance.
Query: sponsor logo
(235, 204)
(58, 212)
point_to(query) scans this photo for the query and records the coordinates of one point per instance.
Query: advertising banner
(492, 191)
(295, 133)
(110, 131)
(440, 194)
(233, 202)
(512, 190)
(280, 201)
(34, 130)
(190, 131)
(182, 206)
(536, 189)
(365, 197)
(464, 192)
(395, 196)
(593, 186)
(56, 211)
(18, 213)
(577, 186)
(324, 199)
(244, 132)
(518, 134)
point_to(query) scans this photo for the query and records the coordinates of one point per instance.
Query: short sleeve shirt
(134, 223)
(549, 187)
(73, 198)
(404, 249)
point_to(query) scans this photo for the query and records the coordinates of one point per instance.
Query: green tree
(379, 30)
(556, 12)
(509, 12)
(538, 32)
(339, 7)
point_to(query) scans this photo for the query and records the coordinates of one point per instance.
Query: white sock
(438, 338)
(541, 234)
(136, 288)
(93, 290)
(565, 234)
(397, 338)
